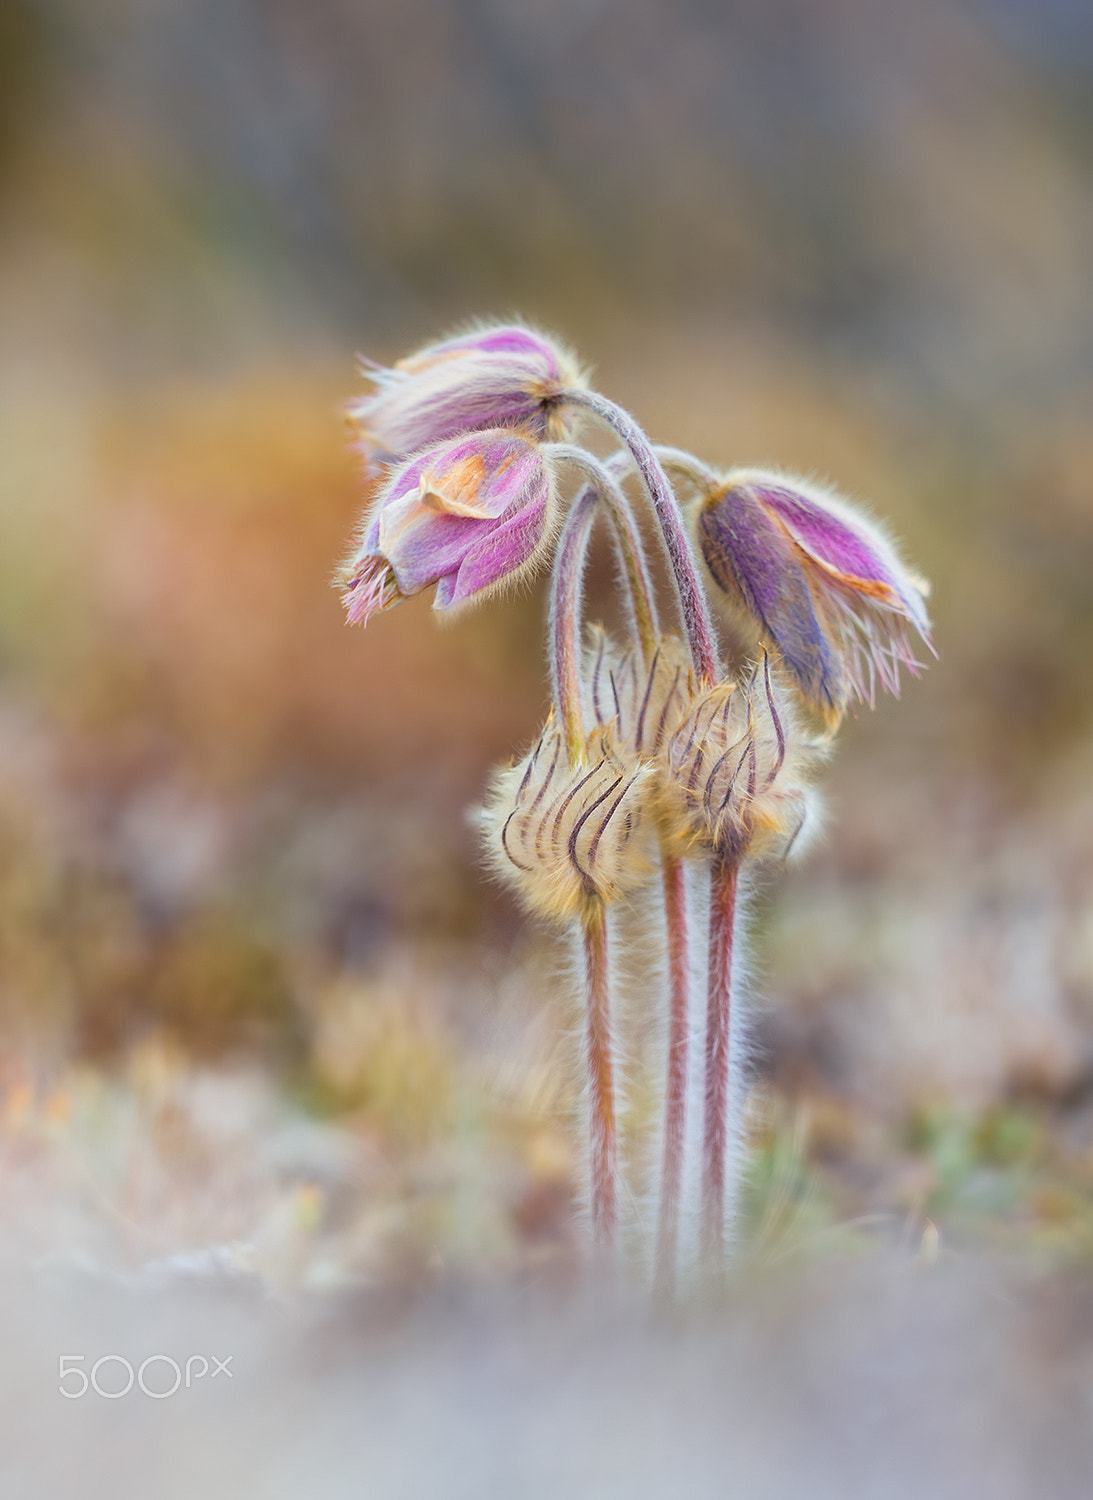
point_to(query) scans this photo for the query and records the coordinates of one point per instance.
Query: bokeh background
(257, 999)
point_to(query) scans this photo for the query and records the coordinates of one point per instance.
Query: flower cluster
(656, 755)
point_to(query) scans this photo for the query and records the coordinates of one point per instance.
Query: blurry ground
(269, 1039)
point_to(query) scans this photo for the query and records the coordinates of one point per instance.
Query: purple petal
(445, 589)
(432, 546)
(507, 468)
(855, 551)
(751, 558)
(504, 340)
(371, 539)
(403, 418)
(426, 524)
(499, 553)
(824, 535)
(491, 377)
(402, 483)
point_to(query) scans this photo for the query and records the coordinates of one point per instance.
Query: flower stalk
(694, 607)
(724, 877)
(627, 538)
(603, 1137)
(676, 930)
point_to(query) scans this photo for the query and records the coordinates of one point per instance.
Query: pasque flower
(469, 515)
(822, 583)
(502, 375)
(659, 763)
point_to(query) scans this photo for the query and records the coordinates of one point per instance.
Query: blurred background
(255, 990)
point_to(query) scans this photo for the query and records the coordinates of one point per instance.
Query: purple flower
(822, 583)
(468, 515)
(503, 376)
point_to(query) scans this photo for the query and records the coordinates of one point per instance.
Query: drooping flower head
(819, 580)
(495, 376)
(469, 515)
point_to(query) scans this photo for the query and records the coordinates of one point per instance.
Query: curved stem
(566, 587)
(673, 461)
(627, 535)
(694, 609)
(565, 609)
(601, 1086)
(675, 1089)
(678, 461)
(723, 883)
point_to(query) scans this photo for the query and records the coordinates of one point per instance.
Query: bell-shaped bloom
(820, 581)
(500, 376)
(469, 516)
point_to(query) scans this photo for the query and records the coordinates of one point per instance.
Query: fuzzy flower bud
(821, 582)
(731, 763)
(468, 515)
(737, 769)
(566, 836)
(642, 704)
(499, 376)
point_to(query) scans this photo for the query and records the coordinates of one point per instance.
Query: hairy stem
(627, 536)
(678, 461)
(567, 581)
(694, 609)
(565, 611)
(601, 1088)
(723, 883)
(675, 1089)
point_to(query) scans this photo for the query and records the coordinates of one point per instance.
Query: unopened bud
(643, 704)
(737, 769)
(564, 835)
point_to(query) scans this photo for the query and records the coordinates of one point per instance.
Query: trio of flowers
(659, 762)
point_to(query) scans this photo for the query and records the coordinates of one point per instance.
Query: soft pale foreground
(855, 1378)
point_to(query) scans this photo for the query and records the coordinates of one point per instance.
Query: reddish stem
(694, 609)
(601, 1100)
(611, 495)
(675, 1090)
(565, 611)
(723, 882)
